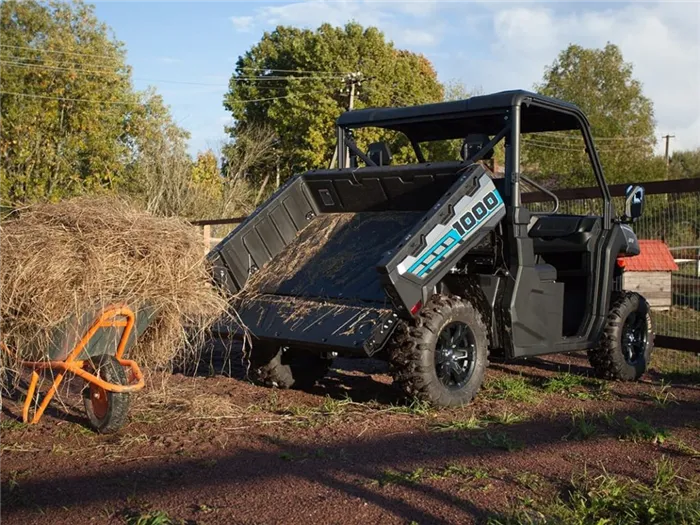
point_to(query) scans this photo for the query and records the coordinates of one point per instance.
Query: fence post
(206, 233)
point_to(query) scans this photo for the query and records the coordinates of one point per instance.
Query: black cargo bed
(335, 257)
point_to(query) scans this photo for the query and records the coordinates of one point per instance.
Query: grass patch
(512, 388)
(472, 423)
(662, 395)
(157, 517)
(394, 477)
(417, 407)
(637, 431)
(10, 424)
(530, 480)
(497, 440)
(459, 471)
(581, 428)
(563, 383)
(507, 418)
(608, 499)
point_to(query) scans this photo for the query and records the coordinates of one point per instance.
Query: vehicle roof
(479, 114)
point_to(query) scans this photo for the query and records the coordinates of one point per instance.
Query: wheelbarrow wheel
(107, 411)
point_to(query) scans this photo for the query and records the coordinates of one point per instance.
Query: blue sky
(486, 45)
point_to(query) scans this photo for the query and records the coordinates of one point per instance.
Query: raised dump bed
(332, 260)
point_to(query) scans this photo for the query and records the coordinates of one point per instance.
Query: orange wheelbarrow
(93, 348)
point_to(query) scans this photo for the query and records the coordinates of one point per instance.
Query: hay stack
(62, 260)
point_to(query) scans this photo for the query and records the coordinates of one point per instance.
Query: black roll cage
(502, 116)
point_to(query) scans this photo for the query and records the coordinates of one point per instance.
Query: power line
(579, 137)
(58, 52)
(262, 68)
(122, 102)
(250, 68)
(103, 71)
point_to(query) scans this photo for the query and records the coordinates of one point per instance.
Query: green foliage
(507, 418)
(662, 395)
(72, 123)
(581, 428)
(512, 388)
(304, 120)
(471, 423)
(151, 518)
(684, 164)
(498, 440)
(635, 430)
(51, 148)
(563, 383)
(393, 477)
(601, 83)
(607, 499)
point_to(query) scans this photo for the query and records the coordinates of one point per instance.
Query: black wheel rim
(634, 337)
(455, 355)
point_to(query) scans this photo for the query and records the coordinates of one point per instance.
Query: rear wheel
(441, 357)
(624, 350)
(284, 368)
(107, 411)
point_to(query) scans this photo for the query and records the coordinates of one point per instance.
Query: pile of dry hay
(63, 260)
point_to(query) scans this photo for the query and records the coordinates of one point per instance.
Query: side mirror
(634, 203)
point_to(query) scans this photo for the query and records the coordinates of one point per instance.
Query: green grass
(636, 431)
(662, 395)
(581, 428)
(507, 418)
(512, 388)
(471, 423)
(10, 424)
(394, 477)
(497, 440)
(151, 518)
(608, 500)
(459, 471)
(416, 407)
(563, 383)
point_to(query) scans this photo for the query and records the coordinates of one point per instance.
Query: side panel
(262, 235)
(457, 222)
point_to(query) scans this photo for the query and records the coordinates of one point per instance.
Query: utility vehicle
(432, 265)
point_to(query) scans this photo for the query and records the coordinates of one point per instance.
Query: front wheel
(441, 357)
(107, 411)
(624, 350)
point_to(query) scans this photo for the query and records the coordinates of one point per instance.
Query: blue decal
(460, 229)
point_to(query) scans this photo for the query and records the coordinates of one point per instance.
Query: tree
(685, 164)
(599, 82)
(66, 102)
(72, 123)
(291, 82)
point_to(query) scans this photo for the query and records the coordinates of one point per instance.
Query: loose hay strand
(59, 262)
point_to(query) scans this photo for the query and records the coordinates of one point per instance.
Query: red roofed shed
(649, 273)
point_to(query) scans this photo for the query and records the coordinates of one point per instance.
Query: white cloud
(661, 41)
(242, 23)
(170, 60)
(397, 19)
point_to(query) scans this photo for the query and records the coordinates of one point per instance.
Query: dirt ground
(217, 449)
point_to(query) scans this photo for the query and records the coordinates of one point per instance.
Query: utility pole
(666, 155)
(352, 82)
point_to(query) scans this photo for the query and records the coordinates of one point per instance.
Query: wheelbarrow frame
(114, 316)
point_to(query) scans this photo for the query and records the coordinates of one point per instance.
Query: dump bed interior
(303, 267)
